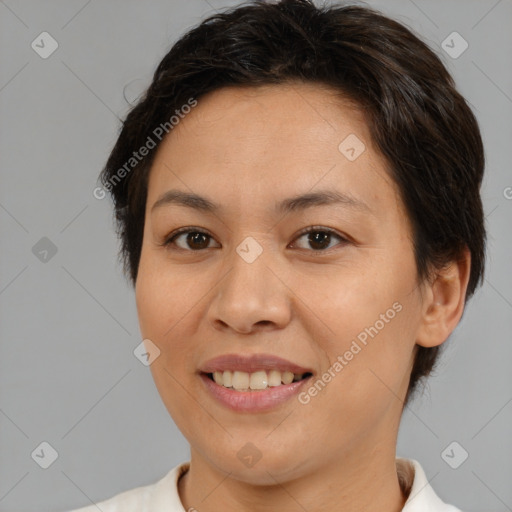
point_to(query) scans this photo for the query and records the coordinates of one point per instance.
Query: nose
(252, 296)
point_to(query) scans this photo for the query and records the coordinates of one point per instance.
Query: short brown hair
(417, 119)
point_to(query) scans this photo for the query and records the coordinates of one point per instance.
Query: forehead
(289, 115)
(245, 143)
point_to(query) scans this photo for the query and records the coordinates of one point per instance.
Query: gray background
(68, 322)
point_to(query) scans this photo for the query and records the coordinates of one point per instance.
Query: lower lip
(253, 401)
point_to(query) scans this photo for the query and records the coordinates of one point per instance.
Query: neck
(368, 482)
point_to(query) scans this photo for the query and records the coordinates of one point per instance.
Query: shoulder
(161, 496)
(421, 495)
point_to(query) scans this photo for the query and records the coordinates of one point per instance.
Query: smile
(255, 381)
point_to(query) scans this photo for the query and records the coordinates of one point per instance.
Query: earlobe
(444, 306)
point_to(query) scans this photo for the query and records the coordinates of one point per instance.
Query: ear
(443, 302)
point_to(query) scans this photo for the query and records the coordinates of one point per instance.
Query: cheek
(372, 315)
(165, 308)
(163, 296)
(349, 300)
(170, 305)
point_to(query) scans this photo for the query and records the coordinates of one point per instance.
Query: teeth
(259, 380)
(227, 378)
(240, 380)
(287, 377)
(274, 378)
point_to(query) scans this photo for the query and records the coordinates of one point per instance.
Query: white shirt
(162, 496)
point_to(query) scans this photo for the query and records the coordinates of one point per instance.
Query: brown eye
(194, 240)
(319, 239)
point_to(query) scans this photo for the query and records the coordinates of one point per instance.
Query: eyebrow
(292, 204)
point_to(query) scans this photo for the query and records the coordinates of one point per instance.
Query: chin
(255, 467)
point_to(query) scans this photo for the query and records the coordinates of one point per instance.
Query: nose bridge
(250, 275)
(250, 293)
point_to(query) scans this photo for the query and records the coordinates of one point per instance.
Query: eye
(319, 238)
(196, 239)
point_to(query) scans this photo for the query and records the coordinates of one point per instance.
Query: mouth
(259, 380)
(253, 383)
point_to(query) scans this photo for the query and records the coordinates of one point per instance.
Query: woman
(298, 201)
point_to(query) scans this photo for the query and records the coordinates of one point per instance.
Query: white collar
(163, 496)
(421, 495)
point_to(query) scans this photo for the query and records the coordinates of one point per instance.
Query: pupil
(319, 237)
(193, 238)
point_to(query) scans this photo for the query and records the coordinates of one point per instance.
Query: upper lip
(251, 363)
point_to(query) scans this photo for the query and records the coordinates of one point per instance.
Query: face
(328, 286)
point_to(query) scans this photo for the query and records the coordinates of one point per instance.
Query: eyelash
(313, 229)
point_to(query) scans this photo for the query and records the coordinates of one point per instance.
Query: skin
(246, 148)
